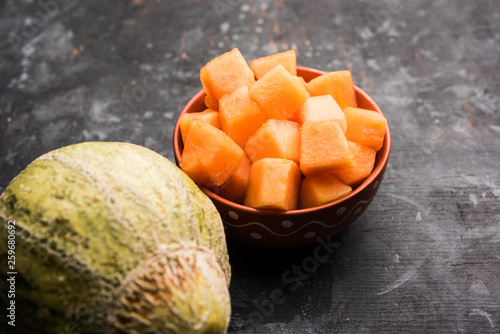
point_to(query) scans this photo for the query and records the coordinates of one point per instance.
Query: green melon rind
(88, 214)
(154, 292)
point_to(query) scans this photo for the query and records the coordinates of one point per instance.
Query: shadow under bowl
(294, 228)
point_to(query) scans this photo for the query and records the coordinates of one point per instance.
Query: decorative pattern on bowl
(295, 228)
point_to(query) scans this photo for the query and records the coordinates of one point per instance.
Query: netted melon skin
(87, 218)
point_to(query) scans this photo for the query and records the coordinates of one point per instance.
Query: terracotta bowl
(294, 228)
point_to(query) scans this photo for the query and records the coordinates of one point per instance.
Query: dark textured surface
(424, 257)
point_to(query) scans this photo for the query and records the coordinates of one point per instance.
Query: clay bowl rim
(380, 162)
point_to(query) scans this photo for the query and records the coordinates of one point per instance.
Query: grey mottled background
(424, 257)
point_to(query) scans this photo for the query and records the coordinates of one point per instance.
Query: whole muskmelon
(113, 237)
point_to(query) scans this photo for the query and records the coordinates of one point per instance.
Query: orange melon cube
(278, 93)
(365, 127)
(294, 118)
(274, 184)
(318, 108)
(235, 188)
(224, 74)
(275, 139)
(218, 154)
(211, 103)
(324, 148)
(207, 115)
(192, 166)
(302, 81)
(338, 84)
(365, 160)
(321, 188)
(239, 116)
(262, 65)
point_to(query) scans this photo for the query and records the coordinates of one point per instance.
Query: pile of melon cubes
(271, 141)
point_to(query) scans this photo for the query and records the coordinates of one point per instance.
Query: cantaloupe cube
(365, 127)
(218, 154)
(321, 188)
(324, 148)
(318, 108)
(207, 115)
(274, 184)
(239, 116)
(365, 160)
(261, 66)
(275, 139)
(235, 188)
(224, 74)
(192, 166)
(211, 103)
(294, 118)
(278, 93)
(338, 84)
(302, 81)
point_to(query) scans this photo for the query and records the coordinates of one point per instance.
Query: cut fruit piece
(274, 184)
(365, 160)
(319, 108)
(192, 166)
(235, 188)
(261, 66)
(275, 139)
(239, 116)
(208, 115)
(294, 118)
(224, 74)
(365, 127)
(278, 93)
(338, 84)
(324, 148)
(211, 103)
(302, 81)
(218, 154)
(321, 188)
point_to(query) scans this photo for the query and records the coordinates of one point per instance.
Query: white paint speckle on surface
(97, 111)
(420, 34)
(224, 27)
(482, 313)
(168, 114)
(53, 44)
(495, 128)
(473, 199)
(402, 279)
(407, 200)
(298, 321)
(146, 67)
(150, 142)
(372, 63)
(418, 218)
(245, 7)
(461, 127)
(148, 114)
(480, 288)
